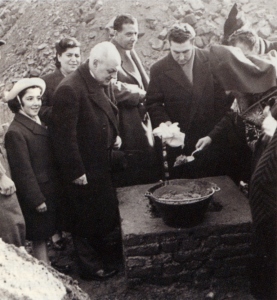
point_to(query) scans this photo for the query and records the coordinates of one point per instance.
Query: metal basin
(182, 202)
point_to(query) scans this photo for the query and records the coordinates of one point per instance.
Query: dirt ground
(116, 288)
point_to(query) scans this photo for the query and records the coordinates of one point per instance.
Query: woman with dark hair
(31, 163)
(67, 60)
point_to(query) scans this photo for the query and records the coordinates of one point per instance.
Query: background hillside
(31, 27)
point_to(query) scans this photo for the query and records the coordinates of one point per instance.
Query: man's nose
(181, 56)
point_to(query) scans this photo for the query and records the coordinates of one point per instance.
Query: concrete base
(201, 256)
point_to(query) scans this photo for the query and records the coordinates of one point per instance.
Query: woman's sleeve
(22, 171)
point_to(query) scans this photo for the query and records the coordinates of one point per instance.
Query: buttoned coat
(52, 80)
(33, 172)
(171, 97)
(84, 131)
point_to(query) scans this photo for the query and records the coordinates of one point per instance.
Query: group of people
(82, 131)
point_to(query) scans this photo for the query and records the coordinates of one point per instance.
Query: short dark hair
(14, 104)
(62, 46)
(123, 19)
(247, 37)
(180, 33)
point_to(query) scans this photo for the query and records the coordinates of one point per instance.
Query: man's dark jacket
(171, 97)
(84, 131)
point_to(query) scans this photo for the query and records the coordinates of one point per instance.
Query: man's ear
(95, 63)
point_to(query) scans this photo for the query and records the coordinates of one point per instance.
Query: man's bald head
(104, 62)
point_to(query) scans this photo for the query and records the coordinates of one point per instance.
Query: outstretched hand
(203, 143)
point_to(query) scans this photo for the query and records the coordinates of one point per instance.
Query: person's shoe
(62, 268)
(59, 245)
(100, 275)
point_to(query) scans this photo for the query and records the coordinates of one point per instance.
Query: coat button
(104, 126)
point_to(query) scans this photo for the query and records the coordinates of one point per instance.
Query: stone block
(228, 251)
(156, 44)
(170, 246)
(133, 240)
(182, 256)
(163, 34)
(163, 258)
(235, 239)
(172, 269)
(211, 242)
(196, 4)
(249, 7)
(273, 23)
(265, 31)
(190, 19)
(132, 262)
(190, 244)
(145, 272)
(146, 250)
(193, 265)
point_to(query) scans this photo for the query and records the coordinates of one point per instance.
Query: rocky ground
(31, 27)
(117, 289)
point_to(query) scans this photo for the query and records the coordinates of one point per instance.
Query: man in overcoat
(182, 89)
(84, 134)
(134, 123)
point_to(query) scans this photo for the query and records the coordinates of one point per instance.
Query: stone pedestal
(201, 256)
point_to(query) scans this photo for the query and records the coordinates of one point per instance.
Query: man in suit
(134, 123)
(182, 89)
(84, 135)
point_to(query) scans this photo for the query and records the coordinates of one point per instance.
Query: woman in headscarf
(31, 163)
(67, 60)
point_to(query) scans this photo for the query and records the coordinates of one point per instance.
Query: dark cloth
(84, 131)
(236, 72)
(239, 155)
(52, 80)
(197, 108)
(142, 163)
(12, 224)
(31, 162)
(263, 204)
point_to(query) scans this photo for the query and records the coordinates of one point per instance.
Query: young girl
(31, 163)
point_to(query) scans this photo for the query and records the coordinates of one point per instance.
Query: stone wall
(200, 257)
(203, 256)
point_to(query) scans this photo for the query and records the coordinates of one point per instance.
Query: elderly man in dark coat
(84, 134)
(134, 123)
(182, 89)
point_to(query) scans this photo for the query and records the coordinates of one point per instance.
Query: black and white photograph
(138, 150)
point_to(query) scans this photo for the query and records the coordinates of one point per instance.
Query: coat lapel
(143, 74)
(124, 64)
(31, 125)
(97, 94)
(200, 74)
(175, 72)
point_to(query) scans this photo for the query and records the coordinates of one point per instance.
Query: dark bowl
(186, 212)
